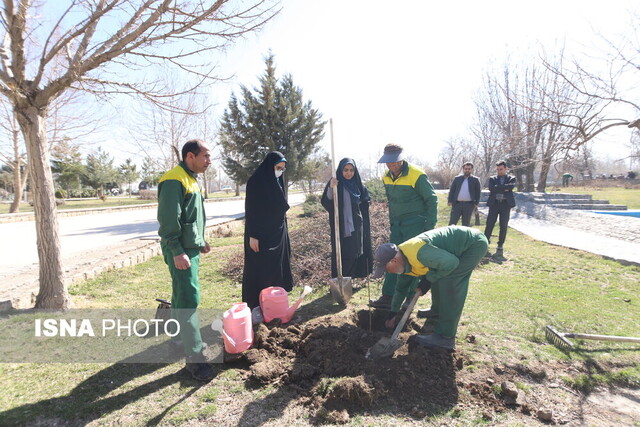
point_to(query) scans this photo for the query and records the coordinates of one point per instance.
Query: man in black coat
(464, 196)
(500, 202)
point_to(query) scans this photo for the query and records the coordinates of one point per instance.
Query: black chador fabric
(265, 219)
(357, 259)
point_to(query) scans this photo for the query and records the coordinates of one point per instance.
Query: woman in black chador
(355, 230)
(267, 250)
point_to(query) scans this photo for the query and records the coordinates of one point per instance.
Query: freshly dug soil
(318, 361)
(324, 358)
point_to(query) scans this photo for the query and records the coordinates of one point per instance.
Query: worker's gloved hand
(391, 319)
(424, 285)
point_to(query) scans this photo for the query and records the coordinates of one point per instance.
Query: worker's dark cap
(392, 153)
(385, 253)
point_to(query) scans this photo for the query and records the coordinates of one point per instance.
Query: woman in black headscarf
(355, 230)
(267, 250)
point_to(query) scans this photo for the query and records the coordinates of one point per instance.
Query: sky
(407, 71)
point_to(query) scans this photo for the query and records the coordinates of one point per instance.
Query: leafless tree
(159, 130)
(634, 148)
(66, 118)
(105, 44)
(500, 113)
(15, 159)
(450, 160)
(605, 89)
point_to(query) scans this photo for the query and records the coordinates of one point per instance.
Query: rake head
(557, 338)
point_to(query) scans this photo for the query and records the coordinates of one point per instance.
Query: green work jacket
(411, 197)
(180, 211)
(434, 254)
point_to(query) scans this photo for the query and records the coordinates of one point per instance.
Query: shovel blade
(341, 289)
(384, 348)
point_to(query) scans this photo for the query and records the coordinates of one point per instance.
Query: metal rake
(560, 339)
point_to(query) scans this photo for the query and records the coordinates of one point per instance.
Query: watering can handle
(336, 214)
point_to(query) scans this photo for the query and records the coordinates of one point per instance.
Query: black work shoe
(429, 327)
(383, 302)
(436, 340)
(424, 313)
(499, 251)
(200, 371)
(176, 348)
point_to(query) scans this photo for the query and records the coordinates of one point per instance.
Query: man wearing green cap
(413, 209)
(445, 257)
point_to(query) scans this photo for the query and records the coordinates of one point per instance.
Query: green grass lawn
(508, 305)
(615, 195)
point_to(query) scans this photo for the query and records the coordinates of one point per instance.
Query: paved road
(84, 233)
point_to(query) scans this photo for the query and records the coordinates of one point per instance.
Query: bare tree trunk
(17, 179)
(53, 292)
(237, 189)
(545, 167)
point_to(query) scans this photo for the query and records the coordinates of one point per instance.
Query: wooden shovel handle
(406, 314)
(336, 214)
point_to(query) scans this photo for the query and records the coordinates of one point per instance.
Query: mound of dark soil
(324, 359)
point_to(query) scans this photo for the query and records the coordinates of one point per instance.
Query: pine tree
(272, 117)
(99, 171)
(129, 172)
(66, 164)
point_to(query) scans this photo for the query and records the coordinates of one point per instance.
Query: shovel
(339, 287)
(387, 346)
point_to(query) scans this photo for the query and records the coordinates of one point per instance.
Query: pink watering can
(237, 329)
(274, 303)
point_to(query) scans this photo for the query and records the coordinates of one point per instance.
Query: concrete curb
(24, 294)
(30, 216)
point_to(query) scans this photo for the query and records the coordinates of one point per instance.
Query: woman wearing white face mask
(267, 250)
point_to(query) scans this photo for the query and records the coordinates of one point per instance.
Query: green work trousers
(185, 298)
(450, 291)
(400, 233)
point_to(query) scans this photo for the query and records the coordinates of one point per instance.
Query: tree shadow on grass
(110, 390)
(91, 399)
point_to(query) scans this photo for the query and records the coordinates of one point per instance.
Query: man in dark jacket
(500, 202)
(464, 196)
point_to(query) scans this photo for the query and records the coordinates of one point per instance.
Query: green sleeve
(430, 201)
(404, 288)
(170, 196)
(440, 262)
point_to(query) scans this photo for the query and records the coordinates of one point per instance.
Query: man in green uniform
(445, 257)
(182, 222)
(413, 209)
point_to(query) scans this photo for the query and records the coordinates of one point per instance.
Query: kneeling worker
(445, 257)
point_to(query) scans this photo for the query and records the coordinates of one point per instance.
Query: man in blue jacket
(500, 202)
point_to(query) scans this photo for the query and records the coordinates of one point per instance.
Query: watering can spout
(291, 311)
